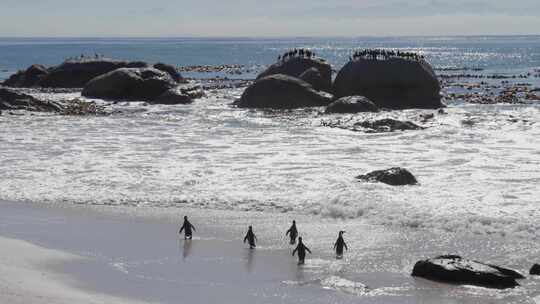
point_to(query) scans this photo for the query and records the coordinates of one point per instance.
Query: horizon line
(269, 36)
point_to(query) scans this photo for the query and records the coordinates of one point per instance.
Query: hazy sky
(267, 18)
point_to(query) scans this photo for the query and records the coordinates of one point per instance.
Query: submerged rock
(282, 92)
(78, 107)
(395, 83)
(457, 270)
(351, 104)
(171, 70)
(388, 125)
(183, 94)
(296, 66)
(535, 269)
(393, 176)
(13, 100)
(144, 84)
(427, 117)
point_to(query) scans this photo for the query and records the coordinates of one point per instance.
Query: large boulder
(76, 73)
(136, 64)
(314, 77)
(182, 94)
(296, 66)
(130, 84)
(28, 78)
(171, 70)
(393, 176)
(282, 92)
(457, 270)
(13, 100)
(351, 104)
(395, 83)
(73, 73)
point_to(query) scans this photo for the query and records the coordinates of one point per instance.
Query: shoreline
(150, 264)
(27, 277)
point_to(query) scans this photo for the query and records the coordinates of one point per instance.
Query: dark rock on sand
(183, 94)
(144, 84)
(28, 78)
(455, 269)
(352, 104)
(314, 78)
(395, 83)
(171, 70)
(535, 269)
(393, 176)
(388, 125)
(296, 66)
(13, 100)
(282, 92)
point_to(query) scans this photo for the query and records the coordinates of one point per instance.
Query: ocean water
(497, 53)
(478, 165)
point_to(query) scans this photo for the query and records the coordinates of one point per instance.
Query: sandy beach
(27, 277)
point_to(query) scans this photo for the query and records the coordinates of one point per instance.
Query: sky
(236, 18)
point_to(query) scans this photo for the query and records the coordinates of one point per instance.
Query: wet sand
(27, 277)
(135, 254)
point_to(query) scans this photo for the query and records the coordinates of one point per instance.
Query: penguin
(292, 232)
(251, 238)
(187, 226)
(339, 245)
(301, 248)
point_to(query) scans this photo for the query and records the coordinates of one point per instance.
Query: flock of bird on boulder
(302, 53)
(407, 82)
(378, 54)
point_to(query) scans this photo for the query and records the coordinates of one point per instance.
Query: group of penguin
(292, 232)
(302, 53)
(376, 54)
(85, 57)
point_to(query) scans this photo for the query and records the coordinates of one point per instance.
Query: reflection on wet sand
(250, 260)
(186, 252)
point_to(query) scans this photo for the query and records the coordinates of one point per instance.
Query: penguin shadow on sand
(250, 257)
(299, 274)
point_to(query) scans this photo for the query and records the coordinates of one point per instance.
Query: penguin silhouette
(186, 227)
(292, 233)
(301, 248)
(251, 238)
(339, 245)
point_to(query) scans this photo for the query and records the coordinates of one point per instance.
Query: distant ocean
(496, 53)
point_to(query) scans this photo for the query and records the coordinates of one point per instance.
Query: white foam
(481, 179)
(344, 285)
